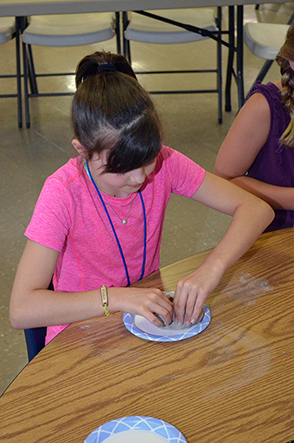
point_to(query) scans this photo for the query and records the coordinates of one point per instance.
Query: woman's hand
(192, 291)
(141, 301)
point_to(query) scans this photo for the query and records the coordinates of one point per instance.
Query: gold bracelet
(104, 299)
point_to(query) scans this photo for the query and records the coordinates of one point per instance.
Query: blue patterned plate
(153, 333)
(136, 429)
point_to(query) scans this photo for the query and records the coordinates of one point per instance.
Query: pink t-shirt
(69, 218)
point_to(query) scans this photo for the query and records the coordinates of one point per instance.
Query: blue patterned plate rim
(129, 321)
(136, 423)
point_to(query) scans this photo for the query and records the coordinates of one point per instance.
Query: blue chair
(35, 337)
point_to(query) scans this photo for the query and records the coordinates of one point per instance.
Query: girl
(98, 221)
(257, 153)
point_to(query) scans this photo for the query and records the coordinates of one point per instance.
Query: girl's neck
(113, 193)
(279, 84)
(109, 190)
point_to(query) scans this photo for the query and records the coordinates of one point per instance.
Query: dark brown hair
(112, 111)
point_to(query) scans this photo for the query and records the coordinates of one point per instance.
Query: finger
(160, 319)
(180, 304)
(166, 303)
(166, 315)
(197, 310)
(152, 318)
(160, 308)
(190, 306)
(169, 299)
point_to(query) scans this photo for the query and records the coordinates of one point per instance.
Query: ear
(79, 148)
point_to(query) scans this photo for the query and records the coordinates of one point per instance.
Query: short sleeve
(185, 175)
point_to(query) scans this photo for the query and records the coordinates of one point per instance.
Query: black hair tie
(106, 67)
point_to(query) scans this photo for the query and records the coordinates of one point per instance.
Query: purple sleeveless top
(275, 162)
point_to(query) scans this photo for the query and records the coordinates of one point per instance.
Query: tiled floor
(28, 156)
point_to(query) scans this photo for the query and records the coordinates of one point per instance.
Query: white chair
(141, 28)
(265, 40)
(63, 31)
(7, 29)
(7, 33)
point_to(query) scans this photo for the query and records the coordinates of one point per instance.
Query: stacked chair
(143, 26)
(264, 40)
(63, 30)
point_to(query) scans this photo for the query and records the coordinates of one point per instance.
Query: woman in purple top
(257, 152)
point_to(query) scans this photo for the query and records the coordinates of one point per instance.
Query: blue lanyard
(114, 232)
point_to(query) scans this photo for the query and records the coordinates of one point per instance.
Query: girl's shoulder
(270, 91)
(68, 172)
(174, 163)
(170, 154)
(163, 157)
(171, 158)
(165, 151)
(272, 95)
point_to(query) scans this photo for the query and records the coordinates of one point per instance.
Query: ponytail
(285, 54)
(287, 138)
(112, 111)
(99, 62)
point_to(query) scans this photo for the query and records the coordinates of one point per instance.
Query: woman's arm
(240, 148)
(251, 216)
(33, 305)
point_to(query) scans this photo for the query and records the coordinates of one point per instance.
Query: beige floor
(28, 156)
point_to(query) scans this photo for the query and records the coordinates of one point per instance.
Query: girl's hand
(250, 217)
(192, 291)
(142, 301)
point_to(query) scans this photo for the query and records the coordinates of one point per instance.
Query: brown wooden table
(233, 383)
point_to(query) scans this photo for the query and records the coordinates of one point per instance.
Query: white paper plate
(142, 328)
(134, 430)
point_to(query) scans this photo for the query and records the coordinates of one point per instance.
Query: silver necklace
(123, 220)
